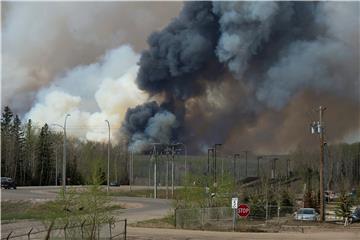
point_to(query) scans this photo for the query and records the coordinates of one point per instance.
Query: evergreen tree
(44, 157)
(73, 172)
(6, 138)
(30, 153)
(18, 170)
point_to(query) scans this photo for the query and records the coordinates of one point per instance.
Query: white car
(306, 214)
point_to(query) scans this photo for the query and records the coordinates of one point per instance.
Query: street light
(172, 164)
(185, 151)
(108, 162)
(216, 145)
(155, 169)
(258, 165)
(273, 170)
(64, 157)
(64, 153)
(234, 167)
(210, 150)
(246, 162)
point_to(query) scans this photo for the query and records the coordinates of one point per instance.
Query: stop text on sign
(243, 210)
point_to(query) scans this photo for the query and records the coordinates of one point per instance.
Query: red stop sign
(243, 210)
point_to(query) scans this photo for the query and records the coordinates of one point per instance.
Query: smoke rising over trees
(271, 52)
(242, 73)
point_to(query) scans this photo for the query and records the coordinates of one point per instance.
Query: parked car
(306, 214)
(8, 183)
(114, 184)
(355, 216)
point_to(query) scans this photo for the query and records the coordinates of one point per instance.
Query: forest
(32, 155)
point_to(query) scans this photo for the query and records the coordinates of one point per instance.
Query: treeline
(33, 155)
(341, 166)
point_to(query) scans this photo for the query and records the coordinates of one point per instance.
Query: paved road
(137, 208)
(146, 208)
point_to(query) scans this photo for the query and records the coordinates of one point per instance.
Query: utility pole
(321, 128)
(318, 128)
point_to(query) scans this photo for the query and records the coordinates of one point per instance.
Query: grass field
(29, 210)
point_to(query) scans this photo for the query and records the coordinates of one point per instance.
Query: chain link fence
(113, 229)
(221, 218)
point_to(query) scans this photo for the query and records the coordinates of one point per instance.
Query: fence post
(202, 218)
(125, 226)
(49, 231)
(9, 235)
(65, 230)
(266, 211)
(234, 219)
(82, 229)
(278, 213)
(98, 230)
(29, 233)
(110, 228)
(175, 211)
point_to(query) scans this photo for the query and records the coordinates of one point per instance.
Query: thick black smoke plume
(274, 50)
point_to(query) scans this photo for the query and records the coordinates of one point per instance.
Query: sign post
(243, 210)
(234, 205)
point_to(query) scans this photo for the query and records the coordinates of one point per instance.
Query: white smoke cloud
(43, 40)
(109, 85)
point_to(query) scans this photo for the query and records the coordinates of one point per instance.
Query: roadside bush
(88, 206)
(343, 208)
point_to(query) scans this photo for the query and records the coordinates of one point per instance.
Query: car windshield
(306, 211)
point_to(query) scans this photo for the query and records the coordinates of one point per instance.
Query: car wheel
(14, 187)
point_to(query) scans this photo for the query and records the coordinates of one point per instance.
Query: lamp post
(185, 151)
(108, 159)
(258, 166)
(210, 150)
(287, 168)
(172, 170)
(215, 172)
(234, 167)
(64, 153)
(273, 170)
(155, 169)
(246, 162)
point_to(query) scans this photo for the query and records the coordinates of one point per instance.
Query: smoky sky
(236, 67)
(42, 41)
(245, 74)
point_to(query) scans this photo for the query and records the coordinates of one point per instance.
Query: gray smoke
(276, 50)
(148, 123)
(179, 54)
